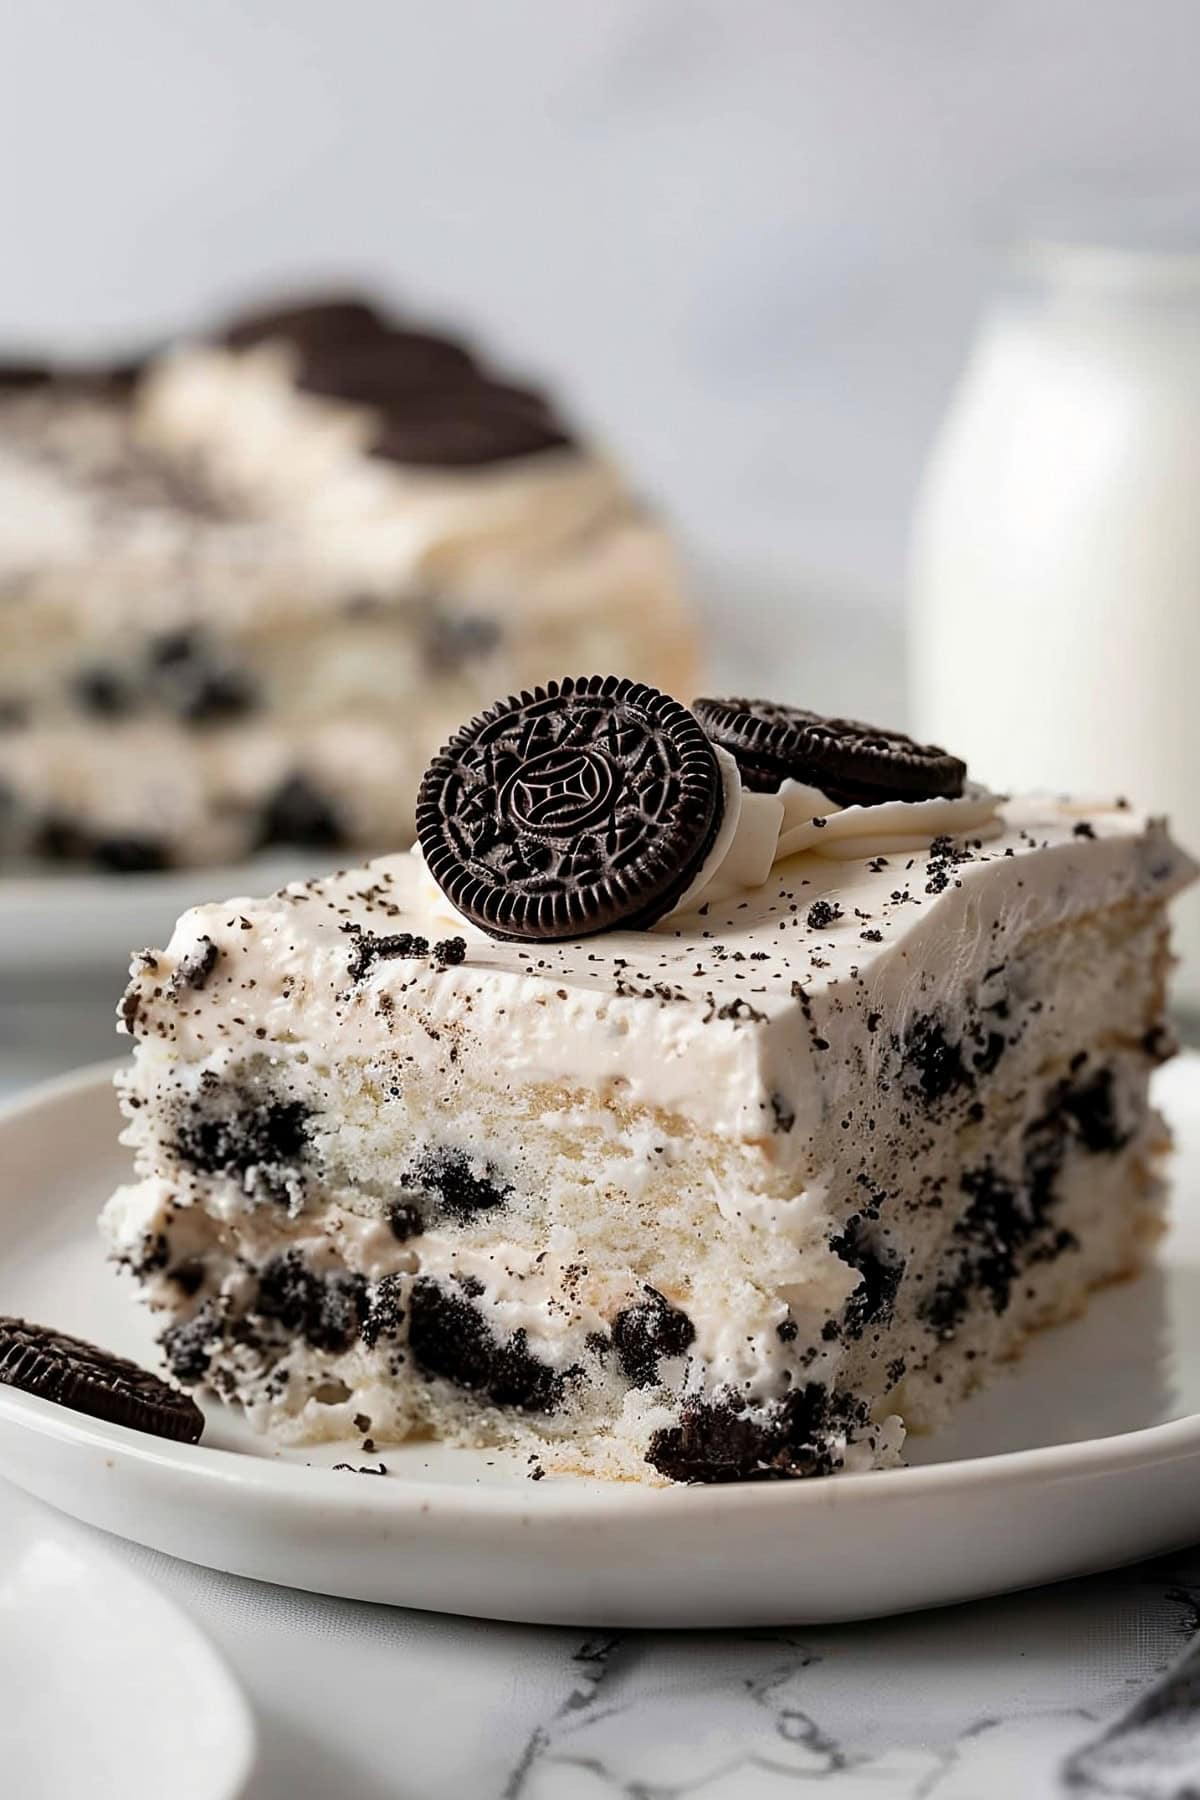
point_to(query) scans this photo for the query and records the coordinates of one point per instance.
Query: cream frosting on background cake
(248, 586)
(743, 1193)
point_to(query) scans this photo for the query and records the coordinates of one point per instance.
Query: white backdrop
(751, 233)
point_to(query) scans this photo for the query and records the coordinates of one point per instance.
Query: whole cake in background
(249, 584)
(713, 1095)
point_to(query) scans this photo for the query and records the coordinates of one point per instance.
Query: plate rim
(560, 1498)
(93, 1544)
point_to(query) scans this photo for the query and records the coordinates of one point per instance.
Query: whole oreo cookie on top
(81, 1376)
(586, 805)
(855, 764)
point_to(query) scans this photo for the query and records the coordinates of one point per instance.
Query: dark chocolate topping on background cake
(436, 404)
(17, 375)
(854, 763)
(74, 1373)
(394, 366)
(476, 422)
(323, 321)
(587, 805)
(20, 375)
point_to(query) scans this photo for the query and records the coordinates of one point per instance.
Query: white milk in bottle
(1055, 606)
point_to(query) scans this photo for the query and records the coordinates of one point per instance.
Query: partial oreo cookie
(587, 805)
(855, 764)
(87, 1379)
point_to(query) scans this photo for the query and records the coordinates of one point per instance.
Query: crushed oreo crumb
(823, 913)
(649, 1329)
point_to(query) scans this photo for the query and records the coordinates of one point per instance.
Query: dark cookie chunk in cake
(723, 1440)
(872, 1301)
(448, 1337)
(57, 839)
(132, 854)
(650, 1329)
(934, 1060)
(62, 840)
(371, 947)
(79, 1375)
(188, 676)
(1091, 1107)
(194, 968)
(458, 1185)
(456, 640)
(218, 695)
(405, 1220)
(326, 1310)
(385, 1312)
(261, 1141)
(855, 764)
(1010, 1221)
(575, 808)
(104, 692)
(190, 1346)
(299, 813)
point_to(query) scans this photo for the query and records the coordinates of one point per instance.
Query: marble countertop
(1087, 1689)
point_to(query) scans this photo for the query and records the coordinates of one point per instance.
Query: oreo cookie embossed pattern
(581, 807)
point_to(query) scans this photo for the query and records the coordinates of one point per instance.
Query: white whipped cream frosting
(759, 830)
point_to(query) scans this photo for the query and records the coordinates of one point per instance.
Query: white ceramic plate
(1086, 1456)
(106, 1688)
(79, 922)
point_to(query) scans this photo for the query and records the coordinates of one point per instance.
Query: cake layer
(723, 1198)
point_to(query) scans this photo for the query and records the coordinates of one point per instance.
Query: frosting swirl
(760, 830)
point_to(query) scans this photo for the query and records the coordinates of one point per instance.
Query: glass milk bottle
(1055, 605)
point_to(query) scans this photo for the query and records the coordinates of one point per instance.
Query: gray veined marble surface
(991, 1702)
(1088, 1689)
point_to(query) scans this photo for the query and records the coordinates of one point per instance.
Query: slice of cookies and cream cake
(247, 587)
(711, 1096)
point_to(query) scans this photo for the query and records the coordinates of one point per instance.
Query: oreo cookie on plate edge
(79, 1375)
(583, 806)
(855, 764)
